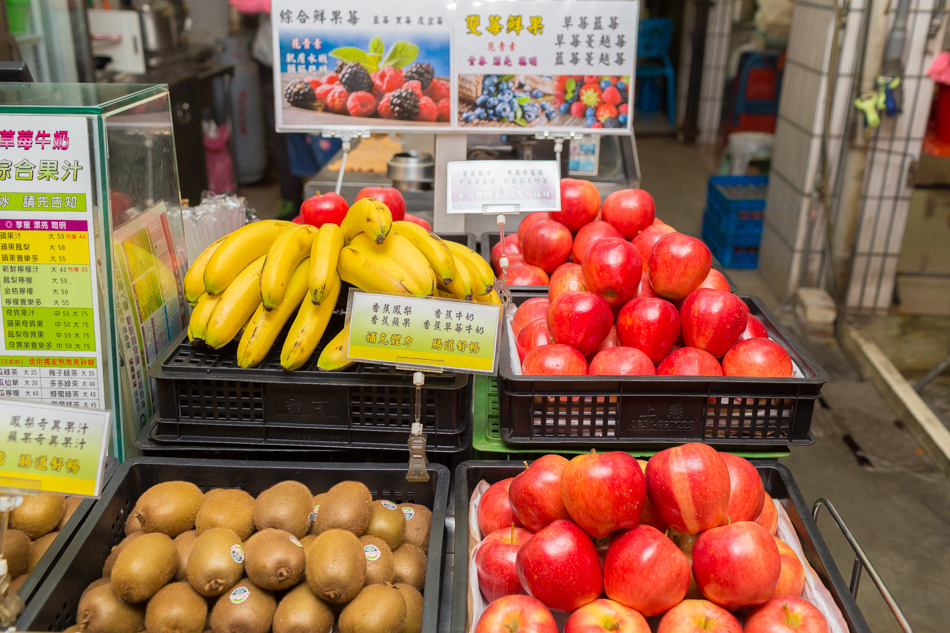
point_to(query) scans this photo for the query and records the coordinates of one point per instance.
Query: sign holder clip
(558, 141)
(347, 137)
(417, 441)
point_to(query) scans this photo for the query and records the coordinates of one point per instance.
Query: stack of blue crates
(732, 223)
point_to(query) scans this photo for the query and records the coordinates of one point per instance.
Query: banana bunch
(249, 285)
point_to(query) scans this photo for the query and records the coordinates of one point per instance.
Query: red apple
(523, 274)
(768, 518)
(580, 203)
(791, 579)
(736, 565)
(686, 542)
(560, 567)
(786, 614)
(589, 234)
(512, 252)
(516, 613)
(713, 320)
(554, 360)
(408, 217)
(689, 487)
(621, 361)
(689, 361)
(512, 260)
(746, 492)
(495, 562)
(390, 196)
(298, 219)
(646, 571)
(715, 280)
(323, 208)
(494, 508)
(650, 325)
(606, 616)
(546, 244)
(629, 211)
(603, 492)
(649, 515)
(535, 493)
(698, 616)
(528, 312)
(530, 219)
(759, 358)
(612, 269)
(535, 334)
(648, 238)
(580, 319)
(753, 329)
(567, 278)
(645, 290)
(678, 264)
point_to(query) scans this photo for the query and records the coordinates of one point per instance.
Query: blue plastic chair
(653, 58)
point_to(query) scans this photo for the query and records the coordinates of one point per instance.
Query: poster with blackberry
(362, 64)
(545, 66)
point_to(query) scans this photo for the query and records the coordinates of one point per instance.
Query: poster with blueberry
(545, 66)
(362, 64)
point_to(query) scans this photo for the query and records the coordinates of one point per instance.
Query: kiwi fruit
(176, 608)
(410, 563)
(387, 522)
(73, 629)
(71, 504)
(302, 612)
(169, 507)
(275, 560)
(94, 584)
(39, 548)
(346, 507)
(243, 608)
(183, 544)
(284, 506)
(376, 609)
(132, 524)
(143, 567)
(336, 566)
(17, 550)
(216, 562)
(418, 525)
(379, 560)
(232, 509)
(39, 514)
(101, 611)
(414, 605)
(110, 560)
(307, 542)
(17, 582)
(317, 502)
(211, 494)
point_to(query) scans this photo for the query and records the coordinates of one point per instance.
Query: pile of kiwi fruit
(287, 562)
(33, 527)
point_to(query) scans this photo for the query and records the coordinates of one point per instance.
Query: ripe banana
(491, 297)
(195, 277)
(432, 247)
(395, 266)
(200, 315)
(289, 249)
(323, 259)
(236, 306)
(238, 250)
(461, 286)
(308, 328)
(368, 216)
(444, 294)
(332, 358)
(264, 327)
(483, 277)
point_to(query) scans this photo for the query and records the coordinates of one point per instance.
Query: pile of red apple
(687, 539)
(332, 207)
(648, 305)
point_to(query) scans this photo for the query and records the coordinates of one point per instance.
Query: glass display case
(91, 246)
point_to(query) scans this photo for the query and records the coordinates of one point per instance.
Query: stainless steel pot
(160, 31)
(411, 171)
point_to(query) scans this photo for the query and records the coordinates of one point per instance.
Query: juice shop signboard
(433, 65)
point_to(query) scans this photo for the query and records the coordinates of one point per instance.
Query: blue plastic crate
(739, 252)
(736, 224)
(738, 193)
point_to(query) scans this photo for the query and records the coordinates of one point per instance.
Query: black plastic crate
(53, 606)
(655, 411)
(776, 478)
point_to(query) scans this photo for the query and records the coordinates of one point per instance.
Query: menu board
(50, 349)
(437, 65)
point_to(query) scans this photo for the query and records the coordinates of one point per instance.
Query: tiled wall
(715, 59)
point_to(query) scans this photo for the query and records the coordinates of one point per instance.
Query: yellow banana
(491, 297)
(332, 358)
(462, 286)
(432, 247)
(368, 216)
(236, 306)
(308, 328)
(323, 259)
(483, 277)
(264, 327)
(238, 250)
(444, 294)
(289, 249)
(200, 315)
(391, 267)
(195, 277)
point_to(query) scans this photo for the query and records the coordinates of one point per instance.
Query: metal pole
(691, 117)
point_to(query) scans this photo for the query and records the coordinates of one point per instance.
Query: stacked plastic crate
(732, 223)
